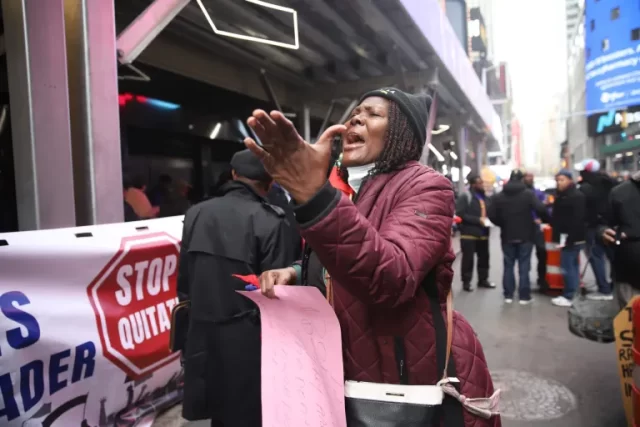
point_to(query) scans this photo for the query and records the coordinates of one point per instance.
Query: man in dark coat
(620, 230)
(596, 187)
(511, 210)
(236, 234)
(569, 233)
(471, 207)
(278, 196)
(540, 244)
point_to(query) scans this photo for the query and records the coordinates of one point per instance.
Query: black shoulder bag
(397, 405)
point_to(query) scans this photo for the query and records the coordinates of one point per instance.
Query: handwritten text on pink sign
(302, 374)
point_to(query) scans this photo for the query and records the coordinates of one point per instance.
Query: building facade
(486, 8)
(580, 145)
(607, 40)
(574, 10)
(553, 132)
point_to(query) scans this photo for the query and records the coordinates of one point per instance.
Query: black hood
(597, 179)
(514, 187)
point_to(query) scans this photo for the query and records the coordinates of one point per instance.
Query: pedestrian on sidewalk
(540, 244)
(511, 211)
(569, 233)
(621, 231)
(596, 187)
(471, 207)
(224, 240)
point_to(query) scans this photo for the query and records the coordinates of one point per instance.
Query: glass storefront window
(624, 162)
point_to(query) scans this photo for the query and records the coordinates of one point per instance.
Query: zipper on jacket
(354, 199)
(304, 267)
(401, 360)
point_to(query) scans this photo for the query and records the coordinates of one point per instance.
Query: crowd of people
(594, 214)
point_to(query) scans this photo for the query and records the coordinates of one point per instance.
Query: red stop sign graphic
(132, 298)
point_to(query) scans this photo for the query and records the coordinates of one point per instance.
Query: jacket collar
(375, 183)
(242, 190)
(569, 191)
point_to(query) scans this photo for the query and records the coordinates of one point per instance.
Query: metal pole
(39, 112)
(266, 85)
(348, 111)
(400, 73)
(462, 156)
(306, 122)
(479, 154)
(433, 112)
(484, 79)
(327, 117)
(3, 117)
(93, 89)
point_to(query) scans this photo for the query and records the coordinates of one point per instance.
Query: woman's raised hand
(299, 167)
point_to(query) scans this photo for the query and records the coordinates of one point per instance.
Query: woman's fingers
(253, 146)
(328, 135)
(267, 284)
(257, 127)
(291, 137)
(269, 128)
(264, 156)
(264, 279)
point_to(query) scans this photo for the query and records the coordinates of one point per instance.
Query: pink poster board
(302, 373)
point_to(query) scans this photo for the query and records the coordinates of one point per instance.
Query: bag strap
(452, 410)
(449, 333)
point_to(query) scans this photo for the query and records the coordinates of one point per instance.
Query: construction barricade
(554, 276)
(87, 318)
(554, 271)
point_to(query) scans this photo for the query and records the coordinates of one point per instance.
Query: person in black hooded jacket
(620, 230)
(471, 207)
(224, 240)
(596, 187)
(512, 211)
(569, 233)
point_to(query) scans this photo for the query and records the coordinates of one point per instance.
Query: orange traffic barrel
(554, 271)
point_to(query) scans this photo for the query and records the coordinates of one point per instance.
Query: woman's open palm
(299, 167)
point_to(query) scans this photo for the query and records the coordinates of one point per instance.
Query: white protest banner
(84, 325)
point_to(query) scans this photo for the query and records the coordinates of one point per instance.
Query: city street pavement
(548, 376)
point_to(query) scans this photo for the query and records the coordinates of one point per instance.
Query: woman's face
(366, 129)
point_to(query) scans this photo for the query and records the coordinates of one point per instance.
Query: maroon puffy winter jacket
(378, 251)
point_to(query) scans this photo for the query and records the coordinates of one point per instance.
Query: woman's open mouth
(353, 141)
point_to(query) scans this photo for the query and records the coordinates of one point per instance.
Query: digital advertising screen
(612, 54)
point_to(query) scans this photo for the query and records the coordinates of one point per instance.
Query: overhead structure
(263, 4)
(319, 52)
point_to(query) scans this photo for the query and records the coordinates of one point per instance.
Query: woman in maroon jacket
(375, 250)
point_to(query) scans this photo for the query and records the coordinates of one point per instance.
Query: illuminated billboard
(612, 54)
